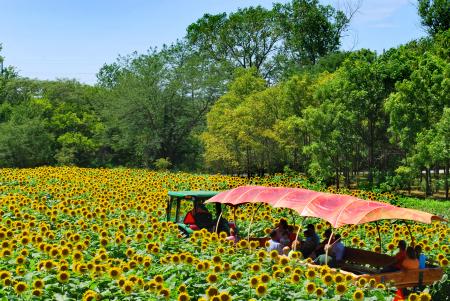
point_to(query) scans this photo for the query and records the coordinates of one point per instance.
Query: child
(420, 256)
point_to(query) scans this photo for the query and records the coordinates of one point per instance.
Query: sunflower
(183, 297)
(278, 274)
(310, 287)
(37, 292)
(182, 288)
(310, 274)
(264, 278)
(20, 259)
(362, 282)
(20, 287)
(212, 291)
(261, 290)
(338, 278)
(127, 287)
(341, 288)
(320, 292)
(284, 260)
(274, 254)
(217, 259)
(211, 278)
(255, 267)
(295, 278)
(158, 279)
(380, 286)
(254, 281)
(327, 278)
(358, 295)
(413, 297)
(38, 283)
(424, 296)
(165, 293)
(287, 269)
(63, 276)
(224, 296)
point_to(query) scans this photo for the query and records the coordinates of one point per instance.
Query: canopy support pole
(218, 221)
(293, 216)
(379, 237)
(410, 233)
(236, 232)
(251, 220)
(327, 247)
(298, 231)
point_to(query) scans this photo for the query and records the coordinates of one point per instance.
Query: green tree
(435, 15)
(311, 30)
(331, 126)
(249, 37)
(224, 133)
(156, 105)
(439, 146)
(25, 139)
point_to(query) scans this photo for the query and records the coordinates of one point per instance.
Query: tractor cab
(188, 210)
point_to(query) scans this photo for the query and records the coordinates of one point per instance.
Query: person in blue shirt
(315, 237)
(420, 256)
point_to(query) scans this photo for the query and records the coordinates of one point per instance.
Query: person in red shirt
(401, 255)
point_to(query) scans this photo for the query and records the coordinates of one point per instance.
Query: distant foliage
(248, 93)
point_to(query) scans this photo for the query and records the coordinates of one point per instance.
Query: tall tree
(435, 15)
(311, 30)
(249, 37)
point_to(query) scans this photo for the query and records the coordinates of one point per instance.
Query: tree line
(252, 92)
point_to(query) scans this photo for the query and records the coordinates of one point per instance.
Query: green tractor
(200, 216)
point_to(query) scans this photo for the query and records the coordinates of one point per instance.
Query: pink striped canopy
(337, 209)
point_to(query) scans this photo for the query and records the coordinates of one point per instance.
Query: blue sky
(49, 39)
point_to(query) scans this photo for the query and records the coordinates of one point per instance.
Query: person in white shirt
(274, 244)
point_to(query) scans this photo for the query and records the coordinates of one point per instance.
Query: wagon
(340, 210)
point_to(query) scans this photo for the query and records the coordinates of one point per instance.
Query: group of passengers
(283, 239)
(407, 258)
(331, 249)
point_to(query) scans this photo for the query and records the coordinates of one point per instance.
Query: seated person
(199, 218)
(274, 244)
(410, 262)
(336, 252)
(420, 256)
(309, 245)
(233, 236)
(399, 257)
(314, 236)
(282, 227)
(337, 249)
(284, 239)
(320, 249)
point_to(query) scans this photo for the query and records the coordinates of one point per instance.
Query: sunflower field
(70, 233)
